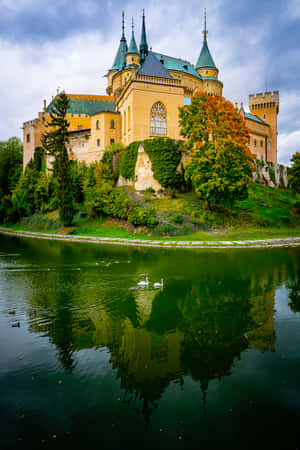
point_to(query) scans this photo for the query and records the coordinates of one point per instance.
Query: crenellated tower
(266, 107)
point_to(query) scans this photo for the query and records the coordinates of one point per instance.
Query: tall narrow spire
(132, 46)
(143, 44)
(205, 58)
(205, 32)
(120, 59)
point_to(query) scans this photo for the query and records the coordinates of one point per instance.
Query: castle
(144, 91)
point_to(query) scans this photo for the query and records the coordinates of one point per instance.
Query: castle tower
(266, 107)
(207, 69)
(120, 59)
(143, 44)
(132, 56)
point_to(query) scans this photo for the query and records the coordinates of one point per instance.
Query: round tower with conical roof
(207, 69)
(120, 59)
(132, 55)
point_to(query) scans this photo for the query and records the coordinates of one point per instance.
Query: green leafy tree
(294, 172)
(11, 159)
(54, 143)
(220, 164)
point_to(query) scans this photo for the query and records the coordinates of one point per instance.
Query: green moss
(128, 161)
(165, 156)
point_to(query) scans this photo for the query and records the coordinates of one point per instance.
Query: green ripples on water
(211, 360)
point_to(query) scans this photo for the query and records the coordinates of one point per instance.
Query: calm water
(211, 361)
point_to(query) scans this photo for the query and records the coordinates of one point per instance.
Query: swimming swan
(143, 283)
(159, 285)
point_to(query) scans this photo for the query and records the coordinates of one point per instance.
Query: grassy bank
(267, 213)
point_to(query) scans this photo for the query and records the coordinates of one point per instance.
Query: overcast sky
(71, 44)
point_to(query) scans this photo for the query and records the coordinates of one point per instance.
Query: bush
(177, 218)
(104, 199)
(142, 216)
(111, 158)
(8, 213)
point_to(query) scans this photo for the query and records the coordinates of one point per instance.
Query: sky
(70, 45)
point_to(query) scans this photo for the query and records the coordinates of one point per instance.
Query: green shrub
(178, 218)
(8, 212)
(142, 216)
(111, 158)
(272, 172)
(165, 156)
(104, 199)
(128, 161)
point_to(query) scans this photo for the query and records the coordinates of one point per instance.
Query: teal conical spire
(132, 46)
(205, 58)
(143, 44)
(120, 59)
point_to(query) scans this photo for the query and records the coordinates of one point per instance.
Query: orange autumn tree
(220, 164)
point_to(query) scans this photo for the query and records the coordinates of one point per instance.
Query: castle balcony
(157, 80)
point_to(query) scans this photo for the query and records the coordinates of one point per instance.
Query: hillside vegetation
(267, 212)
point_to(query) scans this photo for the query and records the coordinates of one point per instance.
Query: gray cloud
(44, 45)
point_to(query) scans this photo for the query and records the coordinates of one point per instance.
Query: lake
(210, 360)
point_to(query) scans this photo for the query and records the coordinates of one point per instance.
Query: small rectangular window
(79, 127)
(98, 142)
(112, 141)
(27, 137)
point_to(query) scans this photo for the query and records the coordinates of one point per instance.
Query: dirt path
(257, 243)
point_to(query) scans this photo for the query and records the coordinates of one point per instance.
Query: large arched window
(158, 119)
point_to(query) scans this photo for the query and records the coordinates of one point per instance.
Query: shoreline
(249, 243)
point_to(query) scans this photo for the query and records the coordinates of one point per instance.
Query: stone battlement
(266, 97)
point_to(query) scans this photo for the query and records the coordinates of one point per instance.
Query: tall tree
(294, 172)
(11, 158)
(220, 163)
(54, 143)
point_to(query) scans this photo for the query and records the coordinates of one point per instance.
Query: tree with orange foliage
(220, 164)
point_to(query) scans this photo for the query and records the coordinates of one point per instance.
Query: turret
(266, 107)
(205, 65)
(132, 56)
(120, 59)
(143, 44)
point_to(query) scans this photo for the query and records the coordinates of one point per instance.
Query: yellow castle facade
(144, 91)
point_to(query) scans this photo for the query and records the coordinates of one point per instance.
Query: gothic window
(112, 123)
(97, 125)
(98, 142)
(28, 138)
(158, 119)
(112, 141)
(261, 143)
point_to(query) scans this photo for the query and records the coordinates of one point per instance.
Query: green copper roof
(205, 58)
(89, 107)
(256, 118)
(181, 65)
(120, 59)
(132, 46)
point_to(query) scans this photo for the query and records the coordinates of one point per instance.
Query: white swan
(143, 283)
(159, 285)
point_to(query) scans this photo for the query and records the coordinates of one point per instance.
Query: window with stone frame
(158, 120)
